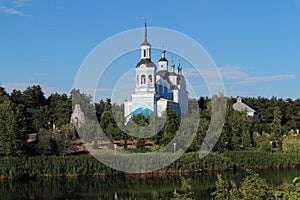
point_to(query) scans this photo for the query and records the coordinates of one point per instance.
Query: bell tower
(145, 46)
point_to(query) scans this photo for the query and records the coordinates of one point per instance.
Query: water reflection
(130, 187)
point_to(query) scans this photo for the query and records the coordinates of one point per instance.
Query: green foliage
(60, 141)
(12, 138)
(185, 192)
(109, 126)
(246, 139)
(42, 118)
(191, 162)
(3, 95)
(65, 139)
(252, 187)
(89, 131)
(226, 190)
(45, 144)
(33, 97)
(290, 194)
(172, 122)
(60, 106)
(139, 119)
(262, 159)
(52, 166)
(140, 143)
(266, 146)
(291, 144)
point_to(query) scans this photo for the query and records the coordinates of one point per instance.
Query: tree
(46, 144)
(16, 97)
(33, 97)
(170, 127)
(276, 126)
(172, 122)
(42, 118)
(108, 104)
(3, 95)
(106, 119)
(291, 144)
(246, 139)
(12, 140)
(139, 119)
(60, 106)
(100, 108)
(66, 139)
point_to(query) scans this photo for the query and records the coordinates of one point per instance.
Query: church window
(143, 79)
(137, 79)
(161, 66)
(144, 53)
(150, 79)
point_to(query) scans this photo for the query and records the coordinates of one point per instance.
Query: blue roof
(145, 111)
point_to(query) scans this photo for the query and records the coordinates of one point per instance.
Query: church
(156, 86)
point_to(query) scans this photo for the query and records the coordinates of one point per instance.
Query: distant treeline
(29, 111)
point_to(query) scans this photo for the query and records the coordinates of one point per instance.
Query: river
(129, 187)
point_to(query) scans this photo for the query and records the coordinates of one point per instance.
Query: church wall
(146, 72)
(176, 96)
(173, 79)
(183, 98)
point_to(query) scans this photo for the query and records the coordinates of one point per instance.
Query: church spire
(179, 68)
(145, 43)
(172, 65)
(145, 31)
(163, 62)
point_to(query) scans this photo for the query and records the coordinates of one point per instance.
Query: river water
(129, 187)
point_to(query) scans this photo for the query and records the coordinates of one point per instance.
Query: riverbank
(86, 165)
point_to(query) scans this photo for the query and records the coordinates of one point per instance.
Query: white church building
(156, 86)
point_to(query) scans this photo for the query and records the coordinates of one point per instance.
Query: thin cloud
(14, 9)
(233, 72)
(203, 72)
(236, 73)
(258, 79)
(20, 3)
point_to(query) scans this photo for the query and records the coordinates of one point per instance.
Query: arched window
(137, 80)
(143, 79)
(150, 79)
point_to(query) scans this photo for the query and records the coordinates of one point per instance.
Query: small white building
(240, 106)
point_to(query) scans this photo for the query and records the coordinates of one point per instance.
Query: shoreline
(51, 167)
(160, 173)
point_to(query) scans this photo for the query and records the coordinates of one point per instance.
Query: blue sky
(255, 44)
